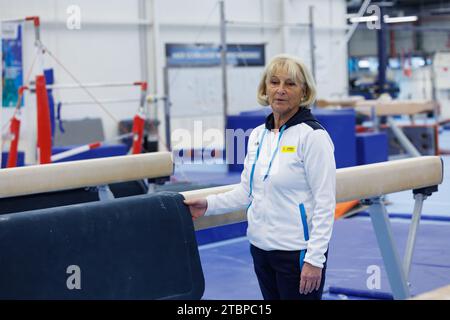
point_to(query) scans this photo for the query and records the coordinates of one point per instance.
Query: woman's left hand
(310, 278)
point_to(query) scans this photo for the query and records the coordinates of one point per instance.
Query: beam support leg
(392, 262)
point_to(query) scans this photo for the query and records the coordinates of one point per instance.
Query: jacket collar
(302, 115)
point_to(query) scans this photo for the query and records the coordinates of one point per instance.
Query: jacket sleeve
(238, 198)
(320, 170)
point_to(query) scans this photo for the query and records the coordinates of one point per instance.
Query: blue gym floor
(229, 273)
(228, 268)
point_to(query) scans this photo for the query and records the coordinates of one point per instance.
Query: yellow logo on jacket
(288, 149)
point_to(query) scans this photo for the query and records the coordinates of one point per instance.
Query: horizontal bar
(151, 98)
(74, 151)
(81, 102)
(247, 24)
(59, 22)
(12, 20)
(90, 85)
(35, 19)
(87, 147)
(260, 24)
(84, 173)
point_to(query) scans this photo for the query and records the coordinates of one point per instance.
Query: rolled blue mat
(138, 247)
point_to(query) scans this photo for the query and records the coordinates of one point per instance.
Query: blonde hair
(296, 70)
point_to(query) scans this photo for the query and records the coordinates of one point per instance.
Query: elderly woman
(288, 186)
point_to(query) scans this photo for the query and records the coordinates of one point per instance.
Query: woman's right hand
(197, 207)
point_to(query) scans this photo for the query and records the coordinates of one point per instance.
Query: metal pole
(382, 58)
(143, 46)
(223, 61)
(375, 122)
(403, 139)
(158, 66)
(167, 108)
(354, 26)
(436, 112)
(419, 198)
(105, 193)
(285, 27)
(386, 243)
(37, 29)
(312, 42)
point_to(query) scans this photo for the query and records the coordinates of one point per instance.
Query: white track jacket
(288, 186)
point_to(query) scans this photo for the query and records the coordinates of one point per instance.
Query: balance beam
(442, 293)
(85, 173)
(353, 183)
(395, 107)
(345, 102)
(382, 108)
(371, 180)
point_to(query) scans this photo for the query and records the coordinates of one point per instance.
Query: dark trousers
(278, 274)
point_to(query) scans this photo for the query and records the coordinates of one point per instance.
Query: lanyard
(257, 156)
(274, 153)
(254, 163)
